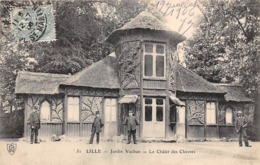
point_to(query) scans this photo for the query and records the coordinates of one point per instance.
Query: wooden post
(117, 117)
(217, 115)
(167, 102)
(25, 116)
(50, 106)
(80, 116)
(103, 115)
(205, 118)
(119, 123)
(186, 118)
(141, 89)
(122, 127)
(65, 113)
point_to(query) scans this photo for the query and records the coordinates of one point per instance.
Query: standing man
(131, 123)
(96, 128)
(240, 125)
(35, 124)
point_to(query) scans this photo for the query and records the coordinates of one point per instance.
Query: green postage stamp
(36, 23)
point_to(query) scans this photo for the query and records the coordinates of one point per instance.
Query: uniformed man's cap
(239, 112)
(97, 112)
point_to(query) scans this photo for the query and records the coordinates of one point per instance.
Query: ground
(78, 152)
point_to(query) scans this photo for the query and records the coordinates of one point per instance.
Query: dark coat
(131, 123)
(97, 125)
(241, 122)
(35, 121)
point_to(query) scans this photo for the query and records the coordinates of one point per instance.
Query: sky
(182, 16)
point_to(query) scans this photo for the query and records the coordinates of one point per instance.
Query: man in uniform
(96, 128)
(240, 125)
(34, 124)
(131, 123)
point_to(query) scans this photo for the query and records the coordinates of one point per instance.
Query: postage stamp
(35, 23)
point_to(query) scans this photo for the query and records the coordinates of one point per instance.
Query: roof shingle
(146, 21)
(188, 81)
(38, 83)
(234, 93)
(102, 74)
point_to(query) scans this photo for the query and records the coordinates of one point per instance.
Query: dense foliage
(81, 30)
(224, 47)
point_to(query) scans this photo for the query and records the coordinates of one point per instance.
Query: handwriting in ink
(185, 9)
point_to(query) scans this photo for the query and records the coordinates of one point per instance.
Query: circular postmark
(29, 24)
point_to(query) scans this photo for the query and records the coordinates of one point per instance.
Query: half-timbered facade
(170, 101)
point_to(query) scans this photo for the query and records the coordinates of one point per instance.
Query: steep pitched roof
(102, 74)
(38, 83)
(188, 81)
(234, 93)
(146, 21)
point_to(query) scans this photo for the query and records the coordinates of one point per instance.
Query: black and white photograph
(134, 82)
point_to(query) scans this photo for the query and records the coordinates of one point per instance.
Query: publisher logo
(11, 148)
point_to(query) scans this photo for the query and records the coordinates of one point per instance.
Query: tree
(13, 59)
(224, 48)
(81, 30)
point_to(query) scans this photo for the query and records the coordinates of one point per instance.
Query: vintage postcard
(129, 82)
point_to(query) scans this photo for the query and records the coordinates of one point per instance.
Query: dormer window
(154, 60)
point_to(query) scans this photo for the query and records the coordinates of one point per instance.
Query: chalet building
(170, 101)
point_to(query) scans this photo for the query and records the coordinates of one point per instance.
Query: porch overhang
(128, 99)
(175, 100)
